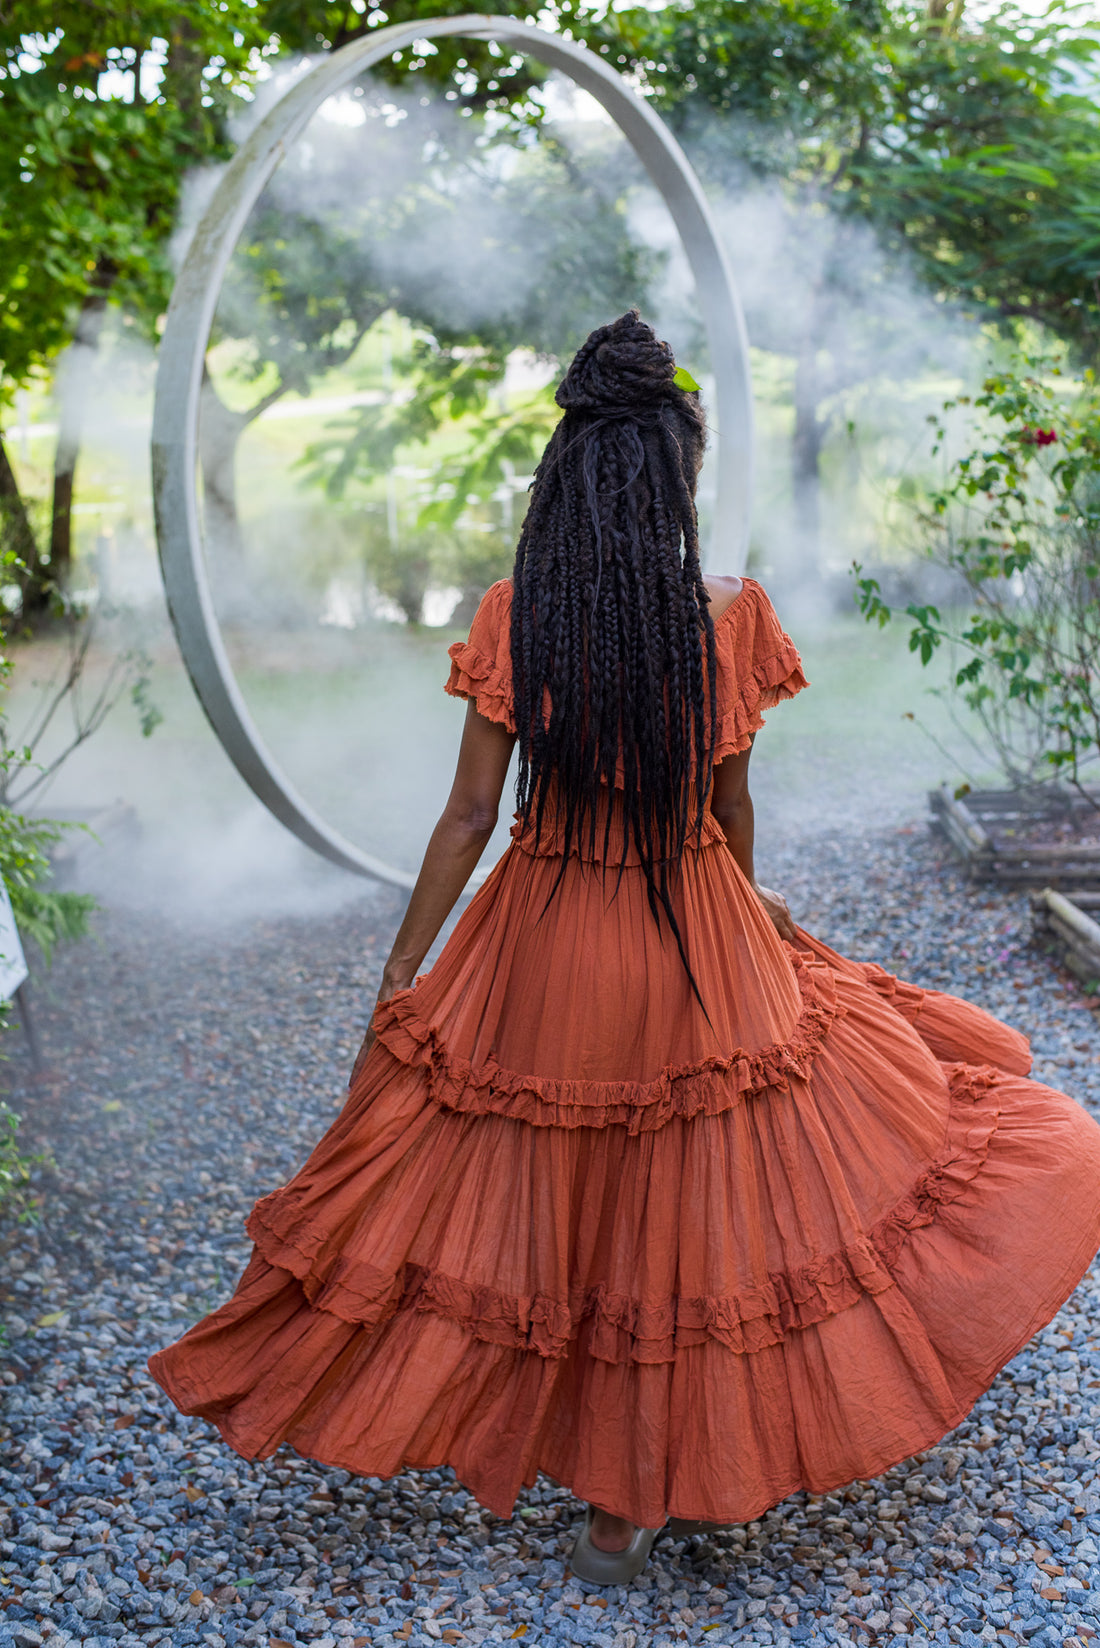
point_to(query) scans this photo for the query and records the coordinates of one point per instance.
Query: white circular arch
(187, 331)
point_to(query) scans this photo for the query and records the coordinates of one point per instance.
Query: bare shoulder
(723, 588)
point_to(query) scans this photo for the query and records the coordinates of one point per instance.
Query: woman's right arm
(731, 804)
(456, 844)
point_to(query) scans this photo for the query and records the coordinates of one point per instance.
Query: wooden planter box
(1070, 927)
(988, 827)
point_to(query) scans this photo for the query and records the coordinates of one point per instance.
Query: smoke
(402, 200)
(835, 322)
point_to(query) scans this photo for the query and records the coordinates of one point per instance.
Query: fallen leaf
(195, 1598)
(405, 1632)
(51, 1319)
(112, 1104)
(124, 1419)
(193, 1493)
(279, 1642)
(1049, 1594)
(520, 1631)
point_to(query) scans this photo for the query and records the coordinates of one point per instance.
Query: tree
(501, 246)
(964, 144)
(984, 167)
(89, 188)
(103, 112)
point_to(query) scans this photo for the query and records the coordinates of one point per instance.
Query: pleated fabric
(683, 1263)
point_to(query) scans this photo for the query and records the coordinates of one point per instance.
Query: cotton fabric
(684, 1263)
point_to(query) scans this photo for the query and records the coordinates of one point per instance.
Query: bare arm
(731, 804)
(457, 842)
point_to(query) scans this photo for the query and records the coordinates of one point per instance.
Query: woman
(640, 1185)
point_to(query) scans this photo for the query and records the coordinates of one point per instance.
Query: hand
(391, 982)
(778, 912)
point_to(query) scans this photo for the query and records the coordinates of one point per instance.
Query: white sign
(13, 967)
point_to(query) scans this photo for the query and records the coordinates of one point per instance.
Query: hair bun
(621, 367)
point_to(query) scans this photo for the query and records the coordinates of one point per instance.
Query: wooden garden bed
(1050, 840)
(1070, 927)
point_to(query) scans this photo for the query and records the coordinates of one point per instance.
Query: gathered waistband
(552, 838)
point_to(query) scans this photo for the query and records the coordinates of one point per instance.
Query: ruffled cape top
(758, 664)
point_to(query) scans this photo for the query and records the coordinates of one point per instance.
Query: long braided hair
(609, 614)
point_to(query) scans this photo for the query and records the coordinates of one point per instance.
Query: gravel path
(192, 1072)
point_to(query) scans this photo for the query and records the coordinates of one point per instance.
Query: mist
(349, 701)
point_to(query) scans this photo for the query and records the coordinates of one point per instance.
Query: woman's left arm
(456, 844)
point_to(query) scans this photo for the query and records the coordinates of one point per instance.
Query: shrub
(1018, 521)
(15, 1167)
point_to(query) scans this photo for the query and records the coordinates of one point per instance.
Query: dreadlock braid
(609, 614)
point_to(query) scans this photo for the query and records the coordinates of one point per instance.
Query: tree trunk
(807, 442)
(219, 431)
(945, 15)
(74, 388)
(182, 84)
(16, 531)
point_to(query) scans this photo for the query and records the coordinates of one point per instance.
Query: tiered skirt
(683, 1262)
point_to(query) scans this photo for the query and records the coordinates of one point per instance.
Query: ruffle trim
(706, 1087)
(774, 679)
(905, 998)
(477, 677)
(620, 1329)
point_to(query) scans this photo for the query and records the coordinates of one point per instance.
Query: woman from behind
(640, 1185)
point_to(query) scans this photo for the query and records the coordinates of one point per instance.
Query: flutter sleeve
(481, 668)
(758, 667)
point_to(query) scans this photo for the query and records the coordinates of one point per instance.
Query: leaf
(124, 1419)
(193, 1493)
(111, 1104)
(520, 1631)
(52, 1318)
(683, 379)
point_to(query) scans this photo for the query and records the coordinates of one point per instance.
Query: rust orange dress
(565, 1224)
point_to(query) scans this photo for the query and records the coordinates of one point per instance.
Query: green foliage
(1017, 523)
(42, 914)
(971, 145)
(982, 165)
(15, 1167)
(784, 74)
(89, 183)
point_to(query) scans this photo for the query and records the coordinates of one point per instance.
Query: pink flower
(1038, 437)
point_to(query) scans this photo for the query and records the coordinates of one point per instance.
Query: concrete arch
(187, 330)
